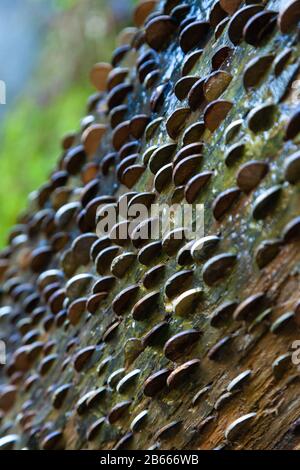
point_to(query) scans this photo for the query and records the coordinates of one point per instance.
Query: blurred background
(47, 48)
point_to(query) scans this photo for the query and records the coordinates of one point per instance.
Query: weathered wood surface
(44, 330)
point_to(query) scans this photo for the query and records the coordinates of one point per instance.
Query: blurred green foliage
(30, 147)
(81, 33)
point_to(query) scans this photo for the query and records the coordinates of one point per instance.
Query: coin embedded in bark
(196, 95)
(47, 363)
(281, 61)
(218, 350)
(8, 396)
(132, 174)
(239, 20)
(224, 202)
(289, 15)
(120, 135)
(121, 301)
(145, 306)
(193, 133)
(122, 263)
(142, 11)
(187, 302)
(172, 240)
(74, 159)
(203, 248)
(128, 380)
(266, 202)
(78, 285)
(9, 442)
(195, 184)
(156, 101)
(123, 442)
(291, 231)
(118, 411)
(124, 164)
(147, 67)
(156, 382)
(282, 322)
(261, 118)
(267, 251)
(119, 53)
(250, 174)
(177, 283)
(116, 76)
(161, 157)
(111, 331)
(156, 334)
(234, 153)
(216, 15)
(256, 69)
(159, 30)
(147, 154)
(115, 377)
(76, 309)
(176, 121)
(181, 343)
(293, 125)
(237, 427)
(53, 441)
(216, 84)
(152, 127)
(99, 74)
(117, 114)
(292, 168)
(82, 357)
(148, 253)
(230, 6)
(153, 275)
(179, 375)
(222, 314)
(250, 307)
(138, 125)
(139, 420)
(92, 136)
(94, 429)
(215, 113)
(94, 302)
(179, 12)
(218, 267)
(163, 177)
(193, 35)
(188, 151)
(118, 94)
(183, 86)
(185, 169)
(184, 256)
(281, 365)
(258, 25)
(221, 57)
(60, 395)
(81, 247)
(190, 60)
(40, 258)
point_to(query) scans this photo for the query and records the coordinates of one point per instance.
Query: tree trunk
(77, 317)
